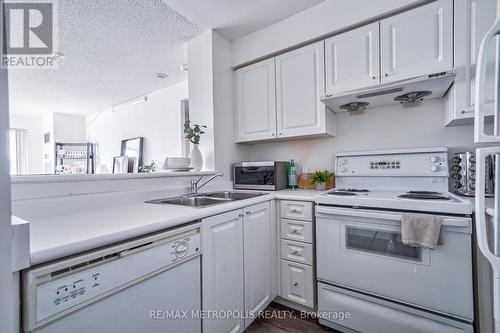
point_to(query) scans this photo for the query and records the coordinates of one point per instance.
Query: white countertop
(58, 236)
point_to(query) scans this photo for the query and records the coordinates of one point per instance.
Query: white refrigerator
(488, 210)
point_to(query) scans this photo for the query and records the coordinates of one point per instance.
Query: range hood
(405, 92)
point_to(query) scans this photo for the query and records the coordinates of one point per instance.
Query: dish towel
(420, 230)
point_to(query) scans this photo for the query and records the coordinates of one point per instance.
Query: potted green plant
(193, 133)
(319, 178)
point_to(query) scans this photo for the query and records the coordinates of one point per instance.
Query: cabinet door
(256, 101)
(297, 283)
(259, 255)
(473, 18)
(300, 82)
(352, 59)
(222, 269)
(417, 42)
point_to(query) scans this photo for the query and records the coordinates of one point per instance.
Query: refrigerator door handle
(479, 116)
(481, 228)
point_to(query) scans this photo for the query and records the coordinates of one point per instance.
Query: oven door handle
(326, 212)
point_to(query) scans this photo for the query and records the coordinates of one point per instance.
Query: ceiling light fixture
(131, 102)
(162, 76)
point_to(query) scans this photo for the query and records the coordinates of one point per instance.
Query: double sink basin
(206, 199)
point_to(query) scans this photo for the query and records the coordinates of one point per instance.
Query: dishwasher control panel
(69, 292)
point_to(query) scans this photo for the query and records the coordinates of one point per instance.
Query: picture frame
(120, 164)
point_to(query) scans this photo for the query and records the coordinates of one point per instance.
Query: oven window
(387, 243)
(262, 175)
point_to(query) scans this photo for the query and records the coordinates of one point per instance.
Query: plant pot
(196, 158)
(321, 186)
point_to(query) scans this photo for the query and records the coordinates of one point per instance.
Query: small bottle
(292, 176)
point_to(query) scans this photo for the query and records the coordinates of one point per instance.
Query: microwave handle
(481, 229)
(479, 117)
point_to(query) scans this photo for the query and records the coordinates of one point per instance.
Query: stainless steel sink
(233, 195)
(206, 199)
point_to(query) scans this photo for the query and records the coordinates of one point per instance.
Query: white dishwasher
(149, 285)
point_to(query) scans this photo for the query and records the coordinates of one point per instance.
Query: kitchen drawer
(297, 283)
(297, 210)
(297, 230)
(374, 315)
(297, 251)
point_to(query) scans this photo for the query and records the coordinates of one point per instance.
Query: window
(18, 151)
(376, 241)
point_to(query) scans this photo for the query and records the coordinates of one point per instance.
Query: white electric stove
(362, 265)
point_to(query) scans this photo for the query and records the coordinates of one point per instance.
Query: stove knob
(434, 168)
(434, 159)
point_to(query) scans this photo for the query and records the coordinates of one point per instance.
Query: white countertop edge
(97, 177)
(54, 253)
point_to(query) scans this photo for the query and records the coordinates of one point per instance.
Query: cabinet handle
(241, 215)
(374, 77)
(248, 212)
(386, 75)
(272, 134)
(466, 111)
(281, 133)
(295, 284)
(294, 231)
(329, 96)
(295, 210)
(295, 252)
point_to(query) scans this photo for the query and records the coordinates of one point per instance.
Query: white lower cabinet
(238, 254)
(297, 283)
(222, 270)
(298, 276)
(258, 258)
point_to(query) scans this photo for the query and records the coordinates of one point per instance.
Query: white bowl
(177, 162)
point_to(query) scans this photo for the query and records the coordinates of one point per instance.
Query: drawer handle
(295, 284)
(295, 252)
(294, 231)
(295, 210)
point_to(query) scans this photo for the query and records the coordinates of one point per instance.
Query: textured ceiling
(237, 18)
(112, 50)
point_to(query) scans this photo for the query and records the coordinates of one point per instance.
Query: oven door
(254, 177)
(362, 250)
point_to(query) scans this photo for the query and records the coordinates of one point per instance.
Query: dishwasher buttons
(181, 249)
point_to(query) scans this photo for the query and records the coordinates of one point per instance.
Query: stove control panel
(410, 163)
(386, 164)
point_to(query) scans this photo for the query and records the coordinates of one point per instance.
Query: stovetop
(396, 199)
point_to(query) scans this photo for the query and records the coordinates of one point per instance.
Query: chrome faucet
(194, 183)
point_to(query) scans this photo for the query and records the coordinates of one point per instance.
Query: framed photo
(120, 164)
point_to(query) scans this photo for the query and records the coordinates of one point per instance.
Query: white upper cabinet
(222, 270)
(256, 102)
(258, 253)
(300, 83)
(417, 42)
(473, 18)
(352, 59)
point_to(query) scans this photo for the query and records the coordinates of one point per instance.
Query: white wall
(33, 126)
(201, 98)
(323, 19)
(8, 292)
(158, 121)
(381, 128)
(226, 152)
